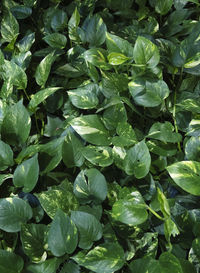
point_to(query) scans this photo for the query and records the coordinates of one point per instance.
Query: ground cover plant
(100, 136)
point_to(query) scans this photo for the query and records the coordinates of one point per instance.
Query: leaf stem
(155, 213)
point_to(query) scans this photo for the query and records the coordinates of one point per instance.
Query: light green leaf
(104, 258)
(41, 95)
(15, 74)
(49, 266)
(43, 69)
(138, 160)
(26, 174)
(55, 199)
(90, 185)
(89, 228)
(33, 241)
(127, 136)
(169, 263)
(9, 27)
(85, 97)
(16, 124)
(63, 235)
(186, 175)
(90, 128)
(117, 44)
(98, 155)
(10, 262)
(6, 156)
(130, 210)
(14, 212)
(164, 132)
(56, 40)
(146, 52)
(117, 58)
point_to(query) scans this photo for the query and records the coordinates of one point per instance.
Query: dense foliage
(100, 136)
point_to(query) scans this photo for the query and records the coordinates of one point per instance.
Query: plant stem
(155, 213)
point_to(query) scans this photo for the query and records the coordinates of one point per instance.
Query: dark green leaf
(56, 40)
(6, 156)
(10, 262)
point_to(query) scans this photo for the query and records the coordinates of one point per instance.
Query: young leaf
(104, 258)
(90, 185)
(26, 174)
(63, 235)
(73, 25)
(90, 128)
(16, 124)
(186, 175)
(89, 228)
(138, 160)
(97, 57)
(146, 52)
(10, 262)
(14, 212)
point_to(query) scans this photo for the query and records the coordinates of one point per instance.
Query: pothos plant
(100, 136)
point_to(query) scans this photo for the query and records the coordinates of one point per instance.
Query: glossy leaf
(14, 212)
(62, 236)
(6, 156)
(97, 155)
(90, 185)
(89, 228)
(9, 27)
(55, 40)
(186, 175)
(26, 174)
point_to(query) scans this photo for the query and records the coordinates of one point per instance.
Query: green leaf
(49, 266)
(90, 185)
(52, 200)
(15, 74)
(192, 149)
(73, 25)
(85, 97)
(146, 52)
(63, 235)
(71, 267)
(10, 262)
(117, 58)
(149, 94)
(145, 264)
(33, 241)
(72, 151)
(26, 174)
(161, 149)
(169, 263)
(98, 155)
(4, 177)
(21, 12)
(41, 95)
(97, 57)
(9, 27)
(90, 128)
(6, 156)
(117, 44)
(14, 212)
(16, 124)
(59, 20)
(127, 136)
(89, 228)
(191, 105)
(163, 7)
(186, 175)
(130, 210)
(56, 40)
(26, 42)
(138, 160)
(93, 31)
(104, 258)
(43, 69)
(164, 132)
